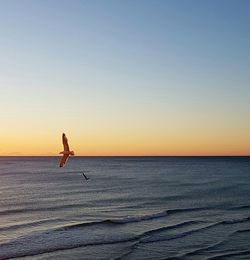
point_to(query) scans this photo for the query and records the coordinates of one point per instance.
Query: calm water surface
(130, 208)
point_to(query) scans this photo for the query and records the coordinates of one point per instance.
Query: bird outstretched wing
(65, 142)
(64, 159)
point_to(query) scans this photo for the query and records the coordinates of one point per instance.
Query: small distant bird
(66, 152)
(85, 176)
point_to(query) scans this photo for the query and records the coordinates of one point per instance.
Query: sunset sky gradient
(125, 77)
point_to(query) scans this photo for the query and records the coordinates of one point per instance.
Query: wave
(122, 220)
(41, 209)
(73, 237)
(241, 231)
(84, 234)
(132, 219)
(178, 225)
(202, 249)
(189, 232)
(175, 236)
(54, 240)
(29, 224)
(230, 255)
(227, 252)
(241, 207)
(221, 242)
(89, 204)
(171, 211)
(234, 221)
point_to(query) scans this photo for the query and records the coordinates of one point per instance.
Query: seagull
(66, 152)
(86, 178)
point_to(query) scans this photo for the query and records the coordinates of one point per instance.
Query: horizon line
(128, 156)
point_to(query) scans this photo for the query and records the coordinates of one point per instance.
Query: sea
(129, 208)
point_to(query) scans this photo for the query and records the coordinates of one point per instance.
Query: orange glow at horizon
(118, 145)
(179, 87)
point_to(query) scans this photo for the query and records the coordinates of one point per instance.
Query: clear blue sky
(157, 67)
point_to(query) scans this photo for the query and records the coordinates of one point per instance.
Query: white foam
(129, 219)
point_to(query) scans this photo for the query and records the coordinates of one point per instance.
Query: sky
(154, 77)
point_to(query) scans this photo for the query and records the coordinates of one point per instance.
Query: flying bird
(86, 178)
(66, 152)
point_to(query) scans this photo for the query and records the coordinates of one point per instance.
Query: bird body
(66, 151)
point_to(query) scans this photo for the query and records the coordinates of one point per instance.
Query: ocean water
(130, 208)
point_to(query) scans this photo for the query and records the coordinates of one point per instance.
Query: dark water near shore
(130, 208)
